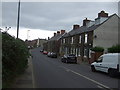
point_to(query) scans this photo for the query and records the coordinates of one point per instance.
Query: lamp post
(18, 18)
(28, 34)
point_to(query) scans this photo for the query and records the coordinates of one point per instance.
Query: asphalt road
(52, 73)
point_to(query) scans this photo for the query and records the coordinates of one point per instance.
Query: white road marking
(66, 69)
(101, 87)
(86, 78)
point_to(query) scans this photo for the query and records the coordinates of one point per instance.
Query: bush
(97, 49)
(114, 49)
(14, 58)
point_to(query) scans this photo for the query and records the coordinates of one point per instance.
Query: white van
(109, 63)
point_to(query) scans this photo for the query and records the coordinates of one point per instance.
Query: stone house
(54, 42)
(106, 35)
(100, 32)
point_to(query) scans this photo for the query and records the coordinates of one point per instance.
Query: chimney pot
(85, 21)
(58, 32)
(62, 31)
(48, 38)
(54, 34)
(102, 14)
(76, 26)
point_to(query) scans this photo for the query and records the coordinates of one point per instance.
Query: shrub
(114, 49)
(14, 58)
(97, 49)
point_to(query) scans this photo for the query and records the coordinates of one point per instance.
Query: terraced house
(53, 44)
(103, 31)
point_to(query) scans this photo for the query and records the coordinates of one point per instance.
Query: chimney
(58, 32)
(54, 34)
(62, 31)
(102, 14)
(48, 38)
(75, 27)
(85, 21)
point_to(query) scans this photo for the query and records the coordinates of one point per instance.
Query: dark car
(53, 55)
(41, 50)
(69, 58)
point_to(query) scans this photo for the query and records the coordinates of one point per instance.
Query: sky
(42, 19)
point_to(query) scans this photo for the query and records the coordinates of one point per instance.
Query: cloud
(30, 34)
(53, 16)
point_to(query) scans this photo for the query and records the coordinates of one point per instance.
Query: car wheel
(111, 72)
(66, 61)
(93, 68)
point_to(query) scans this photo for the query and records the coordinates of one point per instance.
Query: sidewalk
(26, 79)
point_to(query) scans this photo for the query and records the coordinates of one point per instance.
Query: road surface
(52, 73)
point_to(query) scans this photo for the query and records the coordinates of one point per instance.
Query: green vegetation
(114, 49)
(14, 58)
(97, 49)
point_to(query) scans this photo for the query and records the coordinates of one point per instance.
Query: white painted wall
(107, 33)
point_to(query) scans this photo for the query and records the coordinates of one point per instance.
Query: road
(52, 73)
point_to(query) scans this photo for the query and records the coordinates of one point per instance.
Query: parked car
(53, 55)
(41, 50)
(69, 58)
(45, 52)
(49, 54)
(108, 63)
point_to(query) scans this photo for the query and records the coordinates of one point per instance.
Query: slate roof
(57, 37)
(84, 29)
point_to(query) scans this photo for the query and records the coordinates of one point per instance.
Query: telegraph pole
(18, 18)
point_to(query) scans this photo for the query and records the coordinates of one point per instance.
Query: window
(100, 59)
(79, 51)
(79, 39)
(76, 52)
(90, 53)
(66, 49)
(71, 51)
(63, 40)
(85, 52)
(86, 37)
(72, 40)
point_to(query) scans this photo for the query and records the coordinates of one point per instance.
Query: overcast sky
(51, 16)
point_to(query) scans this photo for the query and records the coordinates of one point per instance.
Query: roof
(57, 37)
(84, 29)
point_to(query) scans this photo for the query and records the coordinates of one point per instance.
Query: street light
(28, 34)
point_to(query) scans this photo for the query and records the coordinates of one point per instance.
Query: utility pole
(18, 18)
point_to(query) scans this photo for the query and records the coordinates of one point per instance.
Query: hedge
(14, 58)
(97, 49)
(114, 49)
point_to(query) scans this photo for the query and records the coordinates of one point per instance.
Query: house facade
(103, 31)
(53, 44)
(78, 41)
(106, 35)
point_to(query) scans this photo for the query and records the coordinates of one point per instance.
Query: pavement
(26, 79)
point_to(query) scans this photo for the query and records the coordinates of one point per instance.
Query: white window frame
(72, 40)
(64, 40)
(85, 52)
(80, 38)
(79, 52)
(86, 38)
